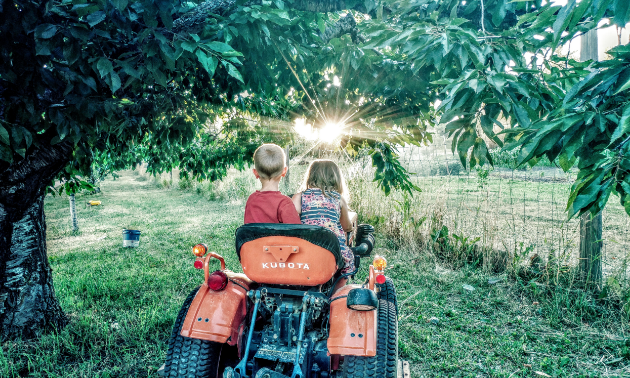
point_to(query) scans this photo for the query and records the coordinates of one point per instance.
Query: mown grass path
(122, 302)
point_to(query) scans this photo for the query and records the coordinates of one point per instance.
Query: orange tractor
(283, 318)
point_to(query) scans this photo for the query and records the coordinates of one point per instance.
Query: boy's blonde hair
(325, 175)
(269, 160)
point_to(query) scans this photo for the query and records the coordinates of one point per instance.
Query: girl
(321, 203)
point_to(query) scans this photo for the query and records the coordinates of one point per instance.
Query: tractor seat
(288, 254)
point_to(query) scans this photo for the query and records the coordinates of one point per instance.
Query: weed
(482, 175)
(185, 182)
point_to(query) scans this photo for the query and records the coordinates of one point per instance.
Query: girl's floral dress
(321, 210)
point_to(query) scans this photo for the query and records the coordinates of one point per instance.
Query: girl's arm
(297, 202)
(346, 221)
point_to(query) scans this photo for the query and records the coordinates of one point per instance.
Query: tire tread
(187, 357)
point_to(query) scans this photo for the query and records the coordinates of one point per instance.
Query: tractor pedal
(403, 369)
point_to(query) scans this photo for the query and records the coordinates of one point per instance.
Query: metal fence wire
(520, 211)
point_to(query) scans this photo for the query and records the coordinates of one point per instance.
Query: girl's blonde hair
(325, 175)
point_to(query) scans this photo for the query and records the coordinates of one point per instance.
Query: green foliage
(554, 106)
(503, 158)
(390, 174)
(447, 168)
(117, 76)
(482, 176)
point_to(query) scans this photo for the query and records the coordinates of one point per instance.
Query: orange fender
(352, 333)
(218, 315)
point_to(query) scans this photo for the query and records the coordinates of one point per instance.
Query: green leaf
(219, 47)
(209, 63)
(167, 18)
(232, 71)
(562, 20)
(498, 81)
(4, 136)
(115, 82)
(622, 12)
(104, 67)
(96, 18)
(623, 126)
(626, 84)
(441, 82)
(521, 115)
(160, 78)
(42, 47)
(120, 4)
(90, 82)
(28, 138)
(565, 162)
(45, 31)
(189, 46)
(71, 52)
(16, 133)
(321, 24)
(466, 140)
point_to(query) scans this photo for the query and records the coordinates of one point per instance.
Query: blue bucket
(131, 238)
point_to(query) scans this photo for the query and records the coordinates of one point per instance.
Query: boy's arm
(345, 219)
(287, 212)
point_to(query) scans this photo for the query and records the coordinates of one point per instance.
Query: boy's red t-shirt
(270, 207)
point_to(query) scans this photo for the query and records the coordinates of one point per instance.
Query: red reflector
(198, 264)
(217, 281)
(380, 279)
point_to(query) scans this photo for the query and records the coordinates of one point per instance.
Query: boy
(268, 205)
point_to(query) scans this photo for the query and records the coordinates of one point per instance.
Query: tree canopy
(110, 75)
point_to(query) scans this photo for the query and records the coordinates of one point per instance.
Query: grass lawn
(122, 302)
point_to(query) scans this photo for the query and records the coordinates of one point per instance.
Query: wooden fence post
(73, 214)
(590, 226)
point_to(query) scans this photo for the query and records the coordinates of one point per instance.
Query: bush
(509, 159)
(453, 168)
(185, 183)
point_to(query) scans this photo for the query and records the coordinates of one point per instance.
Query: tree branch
(319, 6)
(193, 21)
(345, 25)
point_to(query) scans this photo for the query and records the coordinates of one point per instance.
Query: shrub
(509, 159)
(185, 182)
(442, 169)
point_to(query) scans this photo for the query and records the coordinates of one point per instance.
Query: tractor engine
(276, 344)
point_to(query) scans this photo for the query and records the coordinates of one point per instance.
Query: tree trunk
(73, 213)
(591, 249)
(28, 304)
(590, 226)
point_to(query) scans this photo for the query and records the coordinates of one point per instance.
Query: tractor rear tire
(387, 291)
(187, 357)
(385, 363)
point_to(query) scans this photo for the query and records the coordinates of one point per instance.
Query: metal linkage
(297, 370)
(240, 370)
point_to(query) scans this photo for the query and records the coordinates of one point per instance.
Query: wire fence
(519, 211)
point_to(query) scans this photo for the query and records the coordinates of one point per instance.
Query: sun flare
(326, 134)
(331, 131)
